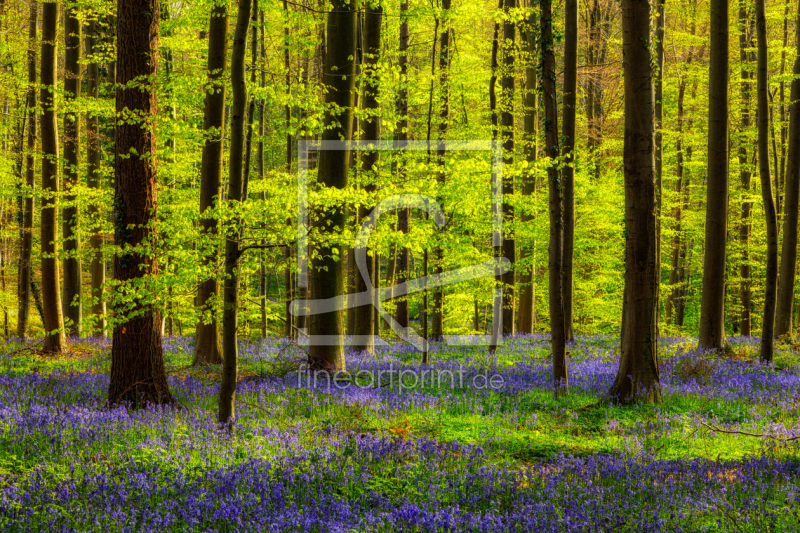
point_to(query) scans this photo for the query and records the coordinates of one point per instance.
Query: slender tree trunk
(72, 87)
(208, 344)
(762, 119)
(508, 248)
(373, 17)
(638, 375)
(251, 109)
(264, 280)
(659, 117)
(51, 283)
(568, 151)
(326, 269)
(783, 320)
(230, 318)
(437, 306)
(527, 299)
(26, 232)
(745, 42)
(675, 282)
(497, 246)
(712, 305)
(94, 181)
(137, 359)
(556, 248)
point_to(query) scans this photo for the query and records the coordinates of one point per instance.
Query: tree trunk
(208, 346)
(527, 299)
(326, 269)
(675, 281)
(745, 42)
(51, 283)
(262, 82)
(94, 181)
(783, 320)
(363, 327)
(508, 249)
(556, 247)
(568, 151)
(72, 87)
(762, 119)
(659, 117)
(230, 318)
(137, 359)
(26, 232)
(638, 375)
(497, 246)
(712, 305)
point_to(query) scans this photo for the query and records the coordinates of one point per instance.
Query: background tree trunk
(509, 249)
(326, 269)
(72, 88)
(26, 232)
(638, 375)
(712, 304)
(208, 346)
(762, 119)
(568, 151)
(230, 319)
(783, 320)
(745, 174)
(51, 282)
(137, 358)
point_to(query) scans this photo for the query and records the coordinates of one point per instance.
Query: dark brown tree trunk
(437, 304)
(289, 279)
(556, 247)
(568, 150)
(712, 305)
(208, 344)
(230, 313)
(496, 245)
(527, 299)
(373, 17)
(783, 320)
(638, 375)
(262, 81)
(251, 109)
(745, 174)
(326, 269)
(72, 86)
(762, 119)
(508, 248)
(659, 117)
(137, 359)
(26, 232)
(94, 181)
(675, 281)
(51, 282)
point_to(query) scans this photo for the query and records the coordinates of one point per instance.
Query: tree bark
(51, 283)
(556, 247)
(783, 320)
(94, 181)
(745, 174)
(568, 151)
(208, 344)
(527, 299)
(675, 279)
(326, 268)
(638, 375)
(762, 119)
(373, 17)
(72, 87)
(712, 305)
(230, 319)
(26, 232)
(137, 359)
(508, 249)
(659, 117)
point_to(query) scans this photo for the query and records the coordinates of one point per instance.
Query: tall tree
(556, 248)
(508, 248)
(93, 180)
(137, 357)
(527, 299)
(745, 174)
(208, 344)
(712, 304)
(230, 319)
(783, 320)
(638, 375)
(51, 283)
(770, 213)
(326, 268)
(373, 18)
(659, 117)
(568, 150)
(26, 231)
(72, 87)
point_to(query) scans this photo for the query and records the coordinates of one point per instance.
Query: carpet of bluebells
(720, 453)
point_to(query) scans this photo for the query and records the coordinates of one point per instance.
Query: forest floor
(482, 446)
